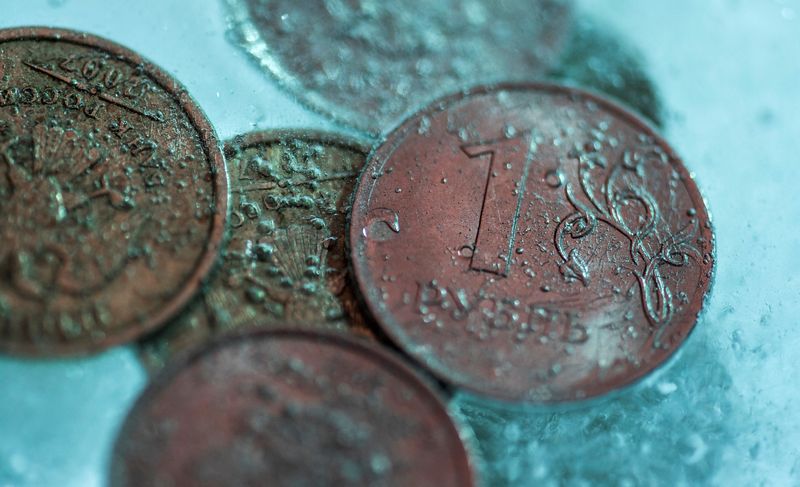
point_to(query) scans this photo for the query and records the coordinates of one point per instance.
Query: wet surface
(368, 63)
(728, 92)
(294, 407)
(113, 194)
(285, 257)
(531, 243)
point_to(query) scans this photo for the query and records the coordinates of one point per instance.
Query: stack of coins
(308, 302)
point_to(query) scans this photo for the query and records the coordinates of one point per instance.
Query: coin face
(113, 193)
(294, 408)
(367, 62)
(285, 260)
(531, 243)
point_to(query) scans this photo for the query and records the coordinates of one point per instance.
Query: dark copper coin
(370, 62)
(113, 193)
(285, 260)
(294, 408)
(531, 243)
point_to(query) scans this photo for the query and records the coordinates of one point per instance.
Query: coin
(531, 242)
(295, 407)
(596, 57)
(113, 193)
(285, 260)
(367, 63)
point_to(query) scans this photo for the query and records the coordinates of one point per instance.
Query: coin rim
(240, 23)
(268, 136)
(385, 320)
(241, 142)
(389, 361)
(217, 168)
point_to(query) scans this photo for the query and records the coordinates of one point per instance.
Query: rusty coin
(285, 260)
(113, 193)
(290, 407)
(368, 63)
(531, 242)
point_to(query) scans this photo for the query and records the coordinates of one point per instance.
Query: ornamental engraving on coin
(285, 260)
(112, 193)
(531, 243)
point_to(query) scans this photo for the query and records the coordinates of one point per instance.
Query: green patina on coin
(285, 260)
(113, 194)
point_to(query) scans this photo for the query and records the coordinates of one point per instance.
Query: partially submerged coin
(531, 243)
(290, 407)
(369, 62)
(285, 260)
(597, 58)
(113, 193)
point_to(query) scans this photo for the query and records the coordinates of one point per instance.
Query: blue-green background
(725, 412)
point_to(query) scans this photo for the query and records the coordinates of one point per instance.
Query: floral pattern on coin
(531, 243)
(112, 193)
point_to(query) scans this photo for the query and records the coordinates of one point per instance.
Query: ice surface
(58, 418)
(726, 411)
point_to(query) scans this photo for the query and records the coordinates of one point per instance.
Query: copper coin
(368, 62)
(531, 243)
(113, 193)
(290, 407)
(285, 261)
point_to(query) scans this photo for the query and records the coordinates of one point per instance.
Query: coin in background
(113, 193)
(368, 62)
(294, 408)
(531, 243)
(285, 260)
(596, 57)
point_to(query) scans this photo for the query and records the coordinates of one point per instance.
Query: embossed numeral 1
(509, 161)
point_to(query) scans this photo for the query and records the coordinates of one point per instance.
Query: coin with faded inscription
(290, 407)
(285, 259)
(368, 62)
(113, 193)
(531, 243)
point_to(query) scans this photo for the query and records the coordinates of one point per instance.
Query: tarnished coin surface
(285, 260)
(294, 408)
(113, 193)
(531, 243)
(369, 62)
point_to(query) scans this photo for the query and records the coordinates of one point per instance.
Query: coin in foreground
(531, 243)
(290, 407)
(113, 193)
(368, 63)
(285, 259)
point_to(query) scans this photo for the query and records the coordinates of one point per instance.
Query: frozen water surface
(723, 412)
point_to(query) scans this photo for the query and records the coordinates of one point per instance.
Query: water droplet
(424, 126)
(382, 224)
(466, 251)
(554, 178)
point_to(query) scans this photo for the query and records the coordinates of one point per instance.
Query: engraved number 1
(509, 161)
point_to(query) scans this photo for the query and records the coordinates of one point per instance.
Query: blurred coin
(531, 243)
(285, 260)
(596, 57)
(368, 62)
(113, 193)
(294, 408)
